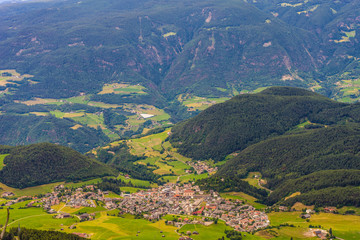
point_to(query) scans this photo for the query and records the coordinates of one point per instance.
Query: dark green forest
(298, 154)
(332, 196)
(43, 163)
(32, 234)
(247, 119)
(314, 182)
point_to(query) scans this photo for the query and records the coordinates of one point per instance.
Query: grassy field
(244, 197)
(253, 178)
(33, 218)
(135, 182)
(344, 209)
(15, 77)
(161, 155)
(122, 88)
(214, 231)
(2, 157)
(42, 189)
(200, 103)
(343, 226)
(126, 227)
(349, 90)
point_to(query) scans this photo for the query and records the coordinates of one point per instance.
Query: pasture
(161, 155)
(349, 90)
(244, 197)
(343, 226)
(125, 227)
(11, 76)
(122, 88)
(42, 189)
(2, 157)
(200, 103)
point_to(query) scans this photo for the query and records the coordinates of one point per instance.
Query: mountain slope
(314, 182)
(248, 119)
(19, 130)
(45, 163)
(173, 47)
(294, 155)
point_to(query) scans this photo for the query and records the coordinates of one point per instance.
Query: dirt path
(261, 186)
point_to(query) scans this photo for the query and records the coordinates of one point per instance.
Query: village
(201, 167)
(189, 200)
(192, 205)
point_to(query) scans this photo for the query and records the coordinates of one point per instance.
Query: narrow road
(259, 183)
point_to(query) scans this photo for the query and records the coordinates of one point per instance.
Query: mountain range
(175, 51)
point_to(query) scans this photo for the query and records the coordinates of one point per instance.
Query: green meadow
(135, 182)
(244, 197)
(214, 231)
(2, 157)
(125, 227)
(159, 154)
(42, 189)
(343, 226)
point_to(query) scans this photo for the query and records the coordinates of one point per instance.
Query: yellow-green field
(15, 77)
(2, 157)
(136, 182)
(107, 226)
(122, 88)
(346, 37)
(162, 155)
(253, 179)
(349, 90)
(343, 226)
(199, 103)
(42, 189)
(244, 197)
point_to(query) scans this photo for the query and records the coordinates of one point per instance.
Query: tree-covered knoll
(247, 119)
(43, 163)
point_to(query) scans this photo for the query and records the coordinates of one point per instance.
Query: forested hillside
(315, 182)
(301, 153)
(250, 118)
(298, 140)
(19, 130)
(43, 163)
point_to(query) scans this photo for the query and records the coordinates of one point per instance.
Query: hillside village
(152, 204)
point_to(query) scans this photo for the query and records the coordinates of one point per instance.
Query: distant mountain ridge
(177, 47)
